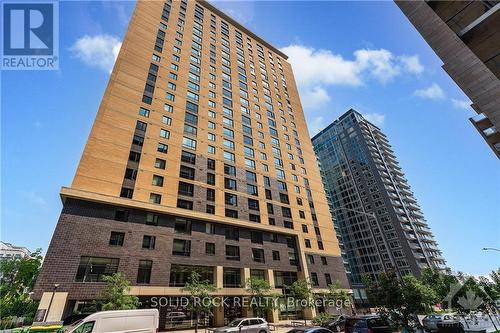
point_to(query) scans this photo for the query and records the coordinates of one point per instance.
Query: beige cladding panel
(105, 157)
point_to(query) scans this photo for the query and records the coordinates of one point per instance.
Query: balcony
(488, 131)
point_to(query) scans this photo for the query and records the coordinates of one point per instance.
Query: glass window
(144, 271)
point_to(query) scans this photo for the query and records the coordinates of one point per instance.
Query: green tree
(263, 299)
(17, 279)
(115, 295)
(400, 300)
(201, 300)
(302, 293)
(337, 295)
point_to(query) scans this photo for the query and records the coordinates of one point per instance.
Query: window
(253, 204)
(276, 255)
(185, 189)
(164, 133)
(210, 178)
(182, 226)
(170, 97)
(184, 204)
(169, 108)
(126, 193)
(210, 249)
(160, 164)
(251, 177)
(252, 190)
(288, 224)
(254, 218)
(138, 140)
(116, 238)
(256, 237)
(304, 228)
(310, 259)
(152, 219)
(308, 243)
(320, 245)
(232, 252)
(229, 170)
(231, 199)
(232, 233)
(148, 242)
(231, 277)
(186, 172)
(144, 271)
(189, 143)
(328, 279)
(155, 198)
(188, 157)
(211, 164)
(162, 148)
(210, 194)
(231, 213)
(210, 209)
(181, 247)
(157, 180)
(144, 112)
(92, 269)
(314, 279)
(121, 215)
(324, 261)
(228, 156)
(230, 184)
(258, 255)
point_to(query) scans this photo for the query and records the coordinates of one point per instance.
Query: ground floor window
(93, 269)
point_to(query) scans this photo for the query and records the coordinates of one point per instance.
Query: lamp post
(491, 249)
(51, 299)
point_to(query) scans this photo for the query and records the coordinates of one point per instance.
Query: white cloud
(463, 104)
(412, 64)
(376, 119)
(316, 125)
(316, 69)
(433, 92)
(97, 51)
(314, 97)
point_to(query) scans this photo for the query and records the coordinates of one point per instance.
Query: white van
(119, 321)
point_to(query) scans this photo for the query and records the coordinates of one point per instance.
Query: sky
(361, 55)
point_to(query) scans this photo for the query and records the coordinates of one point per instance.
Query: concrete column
(219, 315)
(309, 313)
(56, 308)
(270, 277)
(219, 277)
(245, 276)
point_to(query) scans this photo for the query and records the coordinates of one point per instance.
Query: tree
(115, 295)
(17, 279)
(302, 293)
(400, 300)
(201, 301)
(337, 295)
(263, 300)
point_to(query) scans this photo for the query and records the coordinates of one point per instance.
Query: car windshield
(234, 323)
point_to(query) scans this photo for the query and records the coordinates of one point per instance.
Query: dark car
(336, 324)
(309, 330)
(367, 324)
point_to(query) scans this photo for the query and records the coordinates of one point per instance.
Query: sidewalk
(281, 327)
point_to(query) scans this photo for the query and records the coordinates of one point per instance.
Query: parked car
(336, 324)
(122, 321)
(176, 317)
(247, 325)
(72, 319)
(430, 322)
(367, 324)
(310, 330)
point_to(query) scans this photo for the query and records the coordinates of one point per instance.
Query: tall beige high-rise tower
(199, 159)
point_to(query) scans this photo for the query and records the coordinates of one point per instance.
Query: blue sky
(364, 55)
